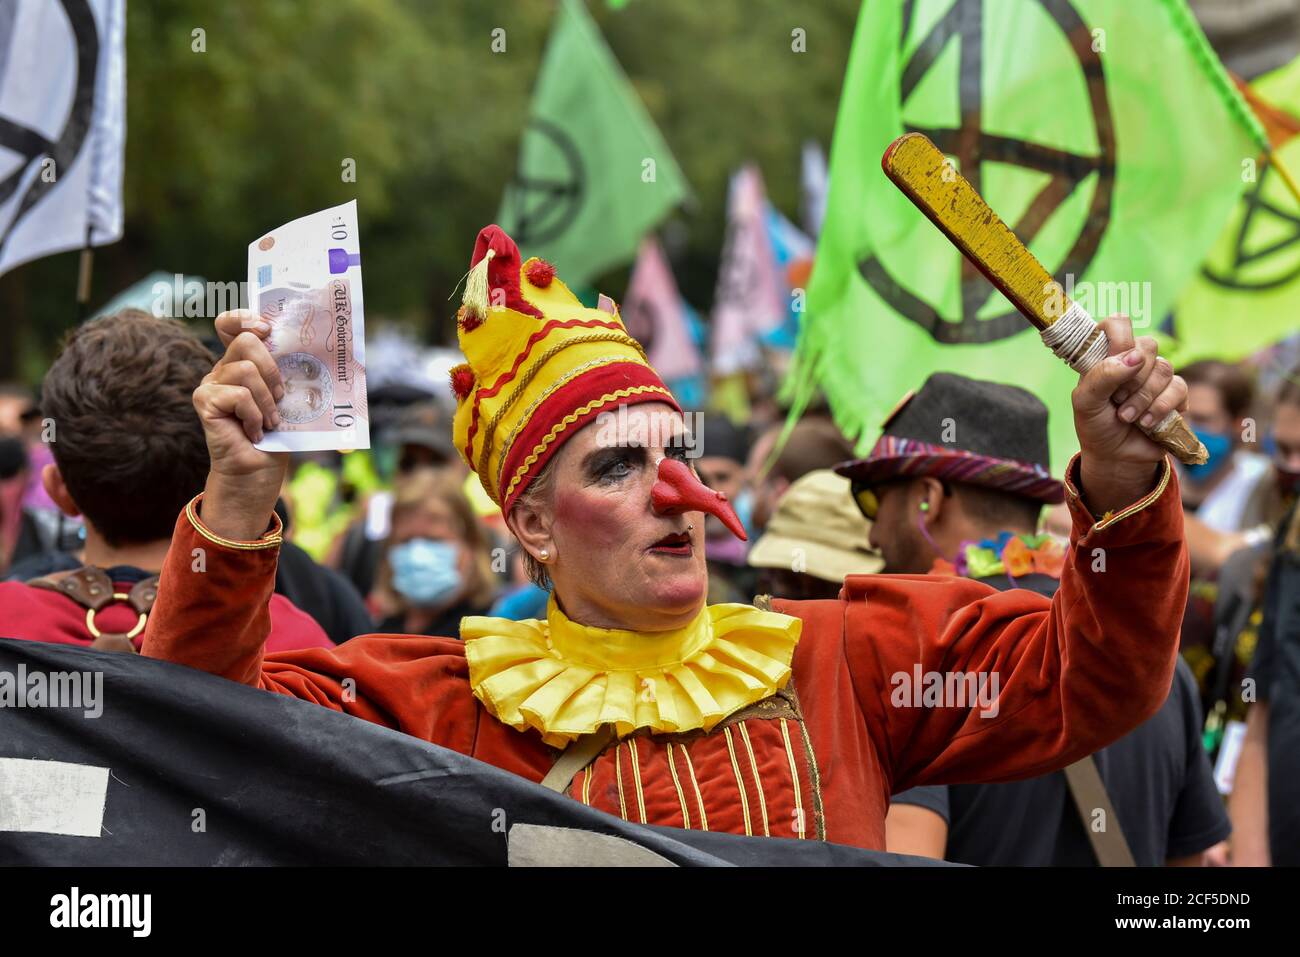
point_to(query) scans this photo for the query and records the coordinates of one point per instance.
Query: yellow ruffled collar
(567, 679)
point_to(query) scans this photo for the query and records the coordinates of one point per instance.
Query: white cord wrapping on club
(1077, 339)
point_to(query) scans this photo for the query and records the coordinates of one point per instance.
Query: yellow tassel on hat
(474, 304)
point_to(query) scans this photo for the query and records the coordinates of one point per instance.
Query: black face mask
(13, 456)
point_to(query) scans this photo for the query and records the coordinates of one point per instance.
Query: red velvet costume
(820, 758)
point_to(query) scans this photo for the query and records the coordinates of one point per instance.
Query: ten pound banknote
(305, 279)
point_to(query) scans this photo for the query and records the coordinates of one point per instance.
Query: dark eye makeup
(612, 464)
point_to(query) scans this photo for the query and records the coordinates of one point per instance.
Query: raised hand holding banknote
(293, 377)
(236, 404)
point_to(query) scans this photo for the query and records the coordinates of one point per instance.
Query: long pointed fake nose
(678, 490)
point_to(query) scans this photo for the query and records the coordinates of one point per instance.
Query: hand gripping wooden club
(917, 167)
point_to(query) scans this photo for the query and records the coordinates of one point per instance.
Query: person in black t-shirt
(980, 497)
(1158, 779)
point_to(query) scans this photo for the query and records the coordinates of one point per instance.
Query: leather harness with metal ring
(117, 596)
(92, 589)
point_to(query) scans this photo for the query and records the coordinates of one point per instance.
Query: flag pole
(1285, 173)
(83, 276)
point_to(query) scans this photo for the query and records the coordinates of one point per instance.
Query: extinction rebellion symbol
(1269, 264)
(973, 147)
(27, 141)
(544, 205)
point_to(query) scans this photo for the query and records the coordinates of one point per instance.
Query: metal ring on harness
(118, 596)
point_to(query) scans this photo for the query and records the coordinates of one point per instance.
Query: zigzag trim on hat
(620, 337)
(568, 420)
(535, 338)
(526, 416)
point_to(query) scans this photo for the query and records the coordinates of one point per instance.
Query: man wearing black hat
(954, 486)
(955, 458)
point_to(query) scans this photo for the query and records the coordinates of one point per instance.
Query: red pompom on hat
(462, 380)
(540, 273)
(468, 318)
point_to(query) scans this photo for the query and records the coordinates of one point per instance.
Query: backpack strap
(1090, 795)
(580, 753)
(92, 589)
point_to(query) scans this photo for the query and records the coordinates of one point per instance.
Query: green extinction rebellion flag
(1247, 293)
(594, 174)
(1104, 132)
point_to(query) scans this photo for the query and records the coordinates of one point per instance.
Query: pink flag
(654, 315)
(749, 299)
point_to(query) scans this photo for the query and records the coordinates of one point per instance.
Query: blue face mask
(1219, 446)
(425, 572)
(743, 504)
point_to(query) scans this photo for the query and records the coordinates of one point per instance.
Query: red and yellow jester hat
(540, 366)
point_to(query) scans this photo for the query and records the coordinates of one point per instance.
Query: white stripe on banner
(540, 845)
(52, 797)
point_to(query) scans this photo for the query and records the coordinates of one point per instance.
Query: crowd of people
(99, 463)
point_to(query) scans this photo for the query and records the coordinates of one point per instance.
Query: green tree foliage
(254, 131)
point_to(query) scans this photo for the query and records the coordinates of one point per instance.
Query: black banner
(176, 767)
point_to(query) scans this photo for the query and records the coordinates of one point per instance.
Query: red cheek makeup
(600, 521)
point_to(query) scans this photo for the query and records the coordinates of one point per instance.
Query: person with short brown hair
(129, 453)
(814, 443)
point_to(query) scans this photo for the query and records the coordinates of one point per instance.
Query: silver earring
(690, 527)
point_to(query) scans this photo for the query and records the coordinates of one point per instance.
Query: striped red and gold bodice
(753, 773)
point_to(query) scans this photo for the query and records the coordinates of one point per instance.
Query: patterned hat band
(489, 431)
(894, 457)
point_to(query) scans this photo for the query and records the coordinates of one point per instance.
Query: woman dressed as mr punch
(633, 696)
